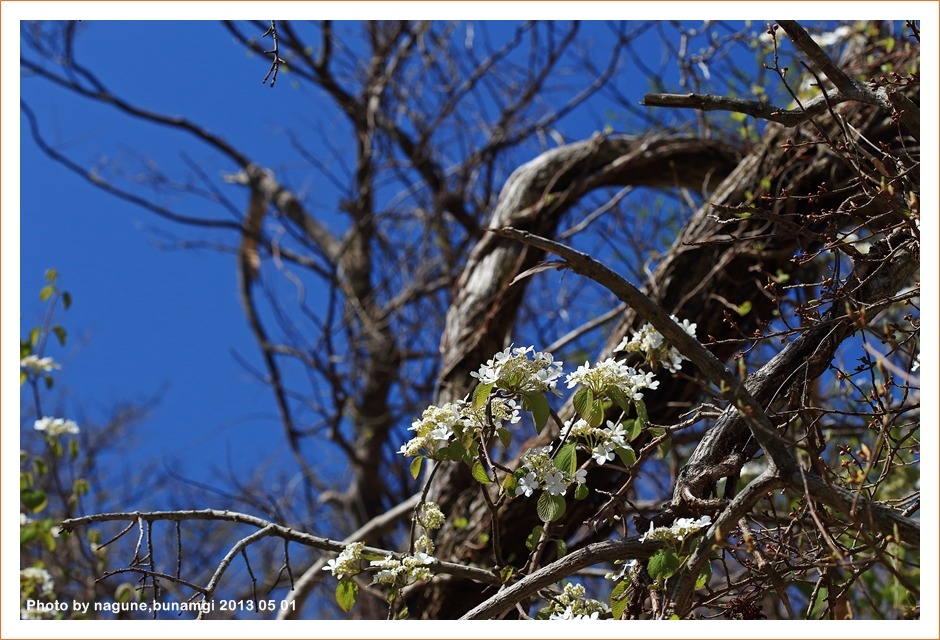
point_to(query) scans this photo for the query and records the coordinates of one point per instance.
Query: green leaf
(50, 275)
(28, 533)
(642, 417)
(583, 402)
(46, 292)
(60, 334)
(505, 436)
(617, 395)
(506, 573)
(533, 538)
(562, 547)
(663, 565)
(481, 393)
(567, 460)
(34, 336)
(479, 473)
(549, 507)
(703, 577)
(581, 492)
(745, 308)
(33, 499)
(537, 404)
(346, 592)
(124, 592)
(633, 429)
(619, 599)
(627, 456)
(66, 300)
(416, 467)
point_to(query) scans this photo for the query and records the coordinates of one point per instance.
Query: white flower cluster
(603, 442)
(572, 605)
(679, 531)
(392, 569)
(612, 373)
(35, 580)
(36, 365)
(347, 562)
(541, 473)
(512, 370)
(435, 429)
(438, 425)
(650, 342)
(430, 516)
(56, 426)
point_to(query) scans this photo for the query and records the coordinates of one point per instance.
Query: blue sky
(147, 317)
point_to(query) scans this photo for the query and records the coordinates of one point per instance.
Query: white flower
(347, 562)
(527, 484)
(603, 452)
(616, 434)
(555, 483)
(36, 365)
(56, 426)
(580, 476)
(36, 579)
(512, 370)
(24, 519)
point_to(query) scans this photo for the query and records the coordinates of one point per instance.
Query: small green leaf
(506, 573)
(461, 523)
(703, 577)
(33, 499)
(663, 565)
(562, 547)
(505, 436)
(633, 429)
(346, 592)
(416, 467)
(567, 460)
(66, 300)
(481, 393)
(50, 275)
(619, 599)
(537, 404)
(627, 456)
(60, 334)
(479, 473)
(46, 292)
(642, 417)
(581, 492)
(583, 402)
(124, 592)
(745, 308)
(533, 538)
(34, 336)
(549, 507)
(617, 395)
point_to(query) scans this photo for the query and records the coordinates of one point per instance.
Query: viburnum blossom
(679, 531)
(650, 343)
(512, 370)
(34, 580)
(56, 426)
(612, 373)
(347, 562)
(392, 569)
(36, 365)
(538, 471)
(435, 429)
(571, 604)
(601, 442)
